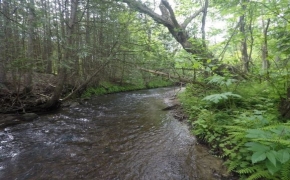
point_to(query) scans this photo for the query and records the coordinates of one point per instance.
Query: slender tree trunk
(244, 49)
(30, 48)
(265, 61)
(251, 31)
(2, 48)
(244, 45)
(6, 36)
(88, 37)
(47, 45)
(203, 23)
(70, 27)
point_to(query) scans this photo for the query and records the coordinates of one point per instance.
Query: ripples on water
(118, 136)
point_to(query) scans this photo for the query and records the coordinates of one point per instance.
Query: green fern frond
(237, 135)
(285, 171)
(232, 165)
(235, 128)
(247, 170)
(273, 126)
(227, 151)
(261, 174)
(278, 141)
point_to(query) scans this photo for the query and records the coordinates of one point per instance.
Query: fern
(235, 129)
(216, 98)
(247, 170)
(285, 171)
(232, 165)
(261, 174)
(283, 142)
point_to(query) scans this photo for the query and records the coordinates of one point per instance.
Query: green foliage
(265, 149)
(217, 98)
(107, 88)
(158, 83)
(247, 133)
(221, 81)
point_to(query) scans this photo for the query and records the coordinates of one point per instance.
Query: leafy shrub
(241, 124)
(264, 151)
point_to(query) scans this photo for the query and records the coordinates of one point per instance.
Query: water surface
(124, 136)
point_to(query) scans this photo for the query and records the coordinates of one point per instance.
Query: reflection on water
(119, 136)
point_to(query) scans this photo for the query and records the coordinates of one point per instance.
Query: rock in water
(74, 104)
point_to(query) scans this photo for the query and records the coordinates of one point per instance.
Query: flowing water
(124, 136)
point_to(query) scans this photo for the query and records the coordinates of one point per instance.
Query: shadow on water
(122, 136)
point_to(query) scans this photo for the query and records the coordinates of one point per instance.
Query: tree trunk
(2, 48)
(203, 23)
(244, 46)
(177, 30)
(47, 45)
(55, 100)
(30, 48)
(265, 61)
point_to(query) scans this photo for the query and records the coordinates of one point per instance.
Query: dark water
(123, 136)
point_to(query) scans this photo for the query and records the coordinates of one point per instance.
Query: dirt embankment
(14, 99)
(17, 106)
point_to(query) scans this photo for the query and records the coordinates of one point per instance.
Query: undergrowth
(240, 122)
(107, 88)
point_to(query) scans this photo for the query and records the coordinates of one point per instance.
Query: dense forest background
(233, 55)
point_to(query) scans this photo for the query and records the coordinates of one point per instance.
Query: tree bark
(265, 61)
(2, 47)
(177, 30)
(47, 45)
(244, 46)
(30, 48)
(203, 23)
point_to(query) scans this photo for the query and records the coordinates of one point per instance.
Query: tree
(71, 18)
(177, 30)
(2, 49)
(244, 45)
(265, 60)
(30, 47)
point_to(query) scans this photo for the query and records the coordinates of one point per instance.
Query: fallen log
(169, 76)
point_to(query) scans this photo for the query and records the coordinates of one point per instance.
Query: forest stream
(124, 136)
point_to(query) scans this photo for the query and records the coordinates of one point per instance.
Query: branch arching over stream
(177, 30)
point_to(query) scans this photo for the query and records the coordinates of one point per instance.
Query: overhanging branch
(140, 7)
(190, 18)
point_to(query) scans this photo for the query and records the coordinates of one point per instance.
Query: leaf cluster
(247, 133)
